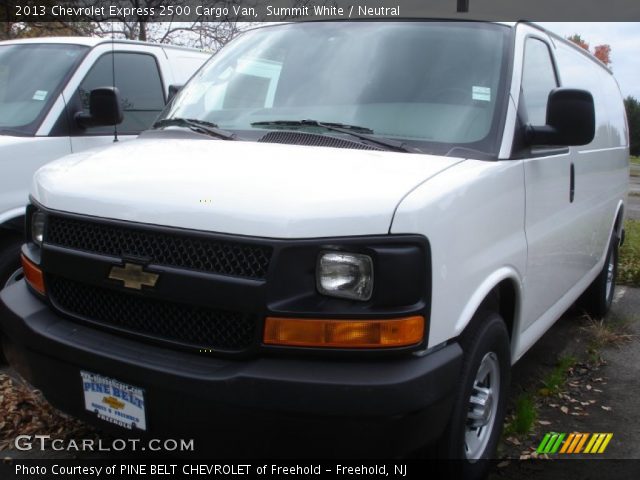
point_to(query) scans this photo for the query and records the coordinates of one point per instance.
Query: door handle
(572, 183)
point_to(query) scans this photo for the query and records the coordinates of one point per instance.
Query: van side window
(538, 79)
(138, 79)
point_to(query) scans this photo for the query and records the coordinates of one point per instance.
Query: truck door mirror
(173, 90)
(104, 108)
(571, 119)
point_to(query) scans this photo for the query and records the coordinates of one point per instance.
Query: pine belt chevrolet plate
(114, 401)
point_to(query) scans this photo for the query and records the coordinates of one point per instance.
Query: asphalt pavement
(604, 400)
(622, 391)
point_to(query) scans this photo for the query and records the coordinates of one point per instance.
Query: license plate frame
(114, 401)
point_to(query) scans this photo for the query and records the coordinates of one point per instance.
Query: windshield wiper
(362, 133)
(311, 123)
(202, 126)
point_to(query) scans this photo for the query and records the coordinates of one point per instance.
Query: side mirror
(104, 108)
(571, 119)
(173, 90)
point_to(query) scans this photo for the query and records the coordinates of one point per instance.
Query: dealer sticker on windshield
(40, 95)
(114, 401)
(481, 93)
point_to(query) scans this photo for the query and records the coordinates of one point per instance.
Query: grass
(634, 160)
(553, 382)
(612, 331)
(524, 415)
(629, 263)
(525, 410)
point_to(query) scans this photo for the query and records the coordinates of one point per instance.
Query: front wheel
(480, 401)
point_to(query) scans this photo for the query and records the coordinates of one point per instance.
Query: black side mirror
(104, 108)
(571, 119)
(173, 90)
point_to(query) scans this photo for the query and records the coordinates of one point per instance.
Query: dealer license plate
(114, 401)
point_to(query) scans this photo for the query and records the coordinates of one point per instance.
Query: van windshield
(432, 85)
(31, 75)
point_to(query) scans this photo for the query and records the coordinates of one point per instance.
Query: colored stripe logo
(574, 443)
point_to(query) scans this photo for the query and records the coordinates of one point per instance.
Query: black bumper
(378, 407)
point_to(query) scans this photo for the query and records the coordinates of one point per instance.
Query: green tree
(632, 106)
(578, 40)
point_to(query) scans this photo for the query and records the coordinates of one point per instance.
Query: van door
(137, 75)
(601, 174)
(558, 237)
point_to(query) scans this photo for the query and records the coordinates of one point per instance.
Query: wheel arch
(501, 292)
(13, 220)
(618, 224)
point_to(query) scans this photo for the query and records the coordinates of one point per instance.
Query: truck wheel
(597, 299)
(10, 270)
(480, 402)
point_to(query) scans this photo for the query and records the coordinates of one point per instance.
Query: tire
(473, 433)
(10, 269)
(597, 299)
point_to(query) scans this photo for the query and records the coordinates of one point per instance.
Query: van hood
(246, 188)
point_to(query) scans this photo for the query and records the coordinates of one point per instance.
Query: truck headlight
(37, 228)
(345, 275)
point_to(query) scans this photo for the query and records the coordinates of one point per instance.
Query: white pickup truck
(347, 231)
(44, 89)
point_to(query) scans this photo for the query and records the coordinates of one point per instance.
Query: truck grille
(177, 323)
(161, 247)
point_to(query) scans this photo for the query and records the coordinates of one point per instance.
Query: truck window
(538, 79)
(138, 79)
(31, 75)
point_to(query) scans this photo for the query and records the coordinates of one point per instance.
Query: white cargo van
(351, 229)
(44, 89)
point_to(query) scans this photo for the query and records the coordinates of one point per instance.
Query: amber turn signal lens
(33, 275)
(311, 332)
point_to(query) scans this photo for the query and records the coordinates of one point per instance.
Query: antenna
(113, 77)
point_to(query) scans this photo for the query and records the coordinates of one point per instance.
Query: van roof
(91, 42)
(577, 48)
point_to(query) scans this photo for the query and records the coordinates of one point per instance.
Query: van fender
(506, 272)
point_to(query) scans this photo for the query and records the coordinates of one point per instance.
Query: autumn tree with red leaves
(601, 52)
(578, 40)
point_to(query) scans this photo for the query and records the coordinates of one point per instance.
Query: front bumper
(360, 408)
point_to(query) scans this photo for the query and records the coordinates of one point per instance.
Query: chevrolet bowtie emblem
(133, 276)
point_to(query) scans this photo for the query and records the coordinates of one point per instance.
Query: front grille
(177, 323)
(160, 247)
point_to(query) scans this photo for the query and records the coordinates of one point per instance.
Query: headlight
(345, 275)
(37, 228)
